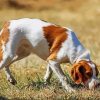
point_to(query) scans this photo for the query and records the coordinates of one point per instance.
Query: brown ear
(76, 75)
(87, 70)
(81, 72)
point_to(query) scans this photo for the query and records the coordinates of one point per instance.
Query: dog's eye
(81, 69)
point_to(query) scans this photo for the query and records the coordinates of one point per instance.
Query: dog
(53, 43)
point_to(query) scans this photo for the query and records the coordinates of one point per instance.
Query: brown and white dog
(53, 43)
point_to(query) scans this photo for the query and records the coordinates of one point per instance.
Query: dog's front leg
(55, 66)
(10, 78)
(48, 74)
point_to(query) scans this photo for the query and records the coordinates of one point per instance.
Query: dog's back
(42, 38)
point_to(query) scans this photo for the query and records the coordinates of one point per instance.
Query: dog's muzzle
(92, 83)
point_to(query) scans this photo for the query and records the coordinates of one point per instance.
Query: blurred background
(82, 16)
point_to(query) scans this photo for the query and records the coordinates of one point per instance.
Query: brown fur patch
(55, 36)
(81, 72)
(23, 49)
(4, 38)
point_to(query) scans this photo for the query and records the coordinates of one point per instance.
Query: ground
(81, 16)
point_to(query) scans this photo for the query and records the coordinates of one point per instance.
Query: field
(81, 16)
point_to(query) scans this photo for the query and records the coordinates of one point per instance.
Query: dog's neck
(76, 51)
(83, 56)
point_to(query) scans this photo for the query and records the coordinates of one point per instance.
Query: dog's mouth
(98, 85)
(92, 84)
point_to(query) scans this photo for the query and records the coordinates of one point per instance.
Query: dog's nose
(94, 85)
(97, 85)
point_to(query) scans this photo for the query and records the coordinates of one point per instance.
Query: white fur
(72, 49)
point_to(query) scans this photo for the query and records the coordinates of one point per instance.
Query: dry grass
(83, 18)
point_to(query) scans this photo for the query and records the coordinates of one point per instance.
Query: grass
(83, 18)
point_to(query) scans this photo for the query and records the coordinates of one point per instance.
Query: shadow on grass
(3, 98)
(38, 85)
(35, 85)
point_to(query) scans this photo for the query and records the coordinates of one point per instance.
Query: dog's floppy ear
(76, 75)
(81, 72)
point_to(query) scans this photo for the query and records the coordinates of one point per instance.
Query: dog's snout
(94, 84)
(97, 85)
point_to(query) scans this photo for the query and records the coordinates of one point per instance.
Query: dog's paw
(47, 83)
(12, 81)
(69, 89)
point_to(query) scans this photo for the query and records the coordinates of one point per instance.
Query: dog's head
(85, 72)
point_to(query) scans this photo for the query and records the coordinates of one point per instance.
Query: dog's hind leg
(48, 74)
(21, 52)
(5, 63)
(9, 76)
